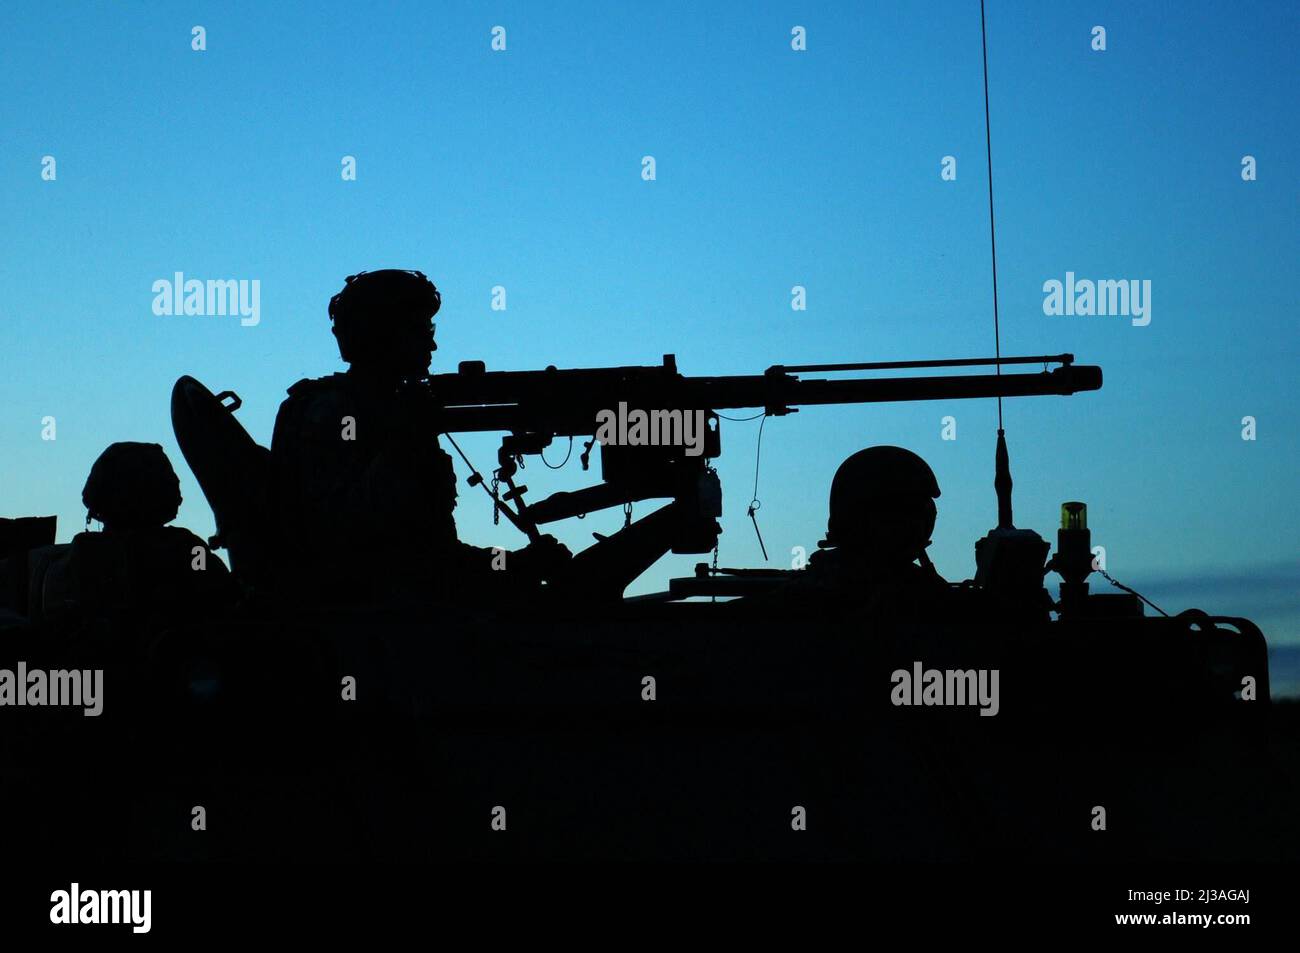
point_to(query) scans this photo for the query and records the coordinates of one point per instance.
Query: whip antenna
(1002, 479)
(993, 240)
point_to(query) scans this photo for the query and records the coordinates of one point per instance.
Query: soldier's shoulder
(317, 397)
(314, 387)
(179, 536)
(314, 407)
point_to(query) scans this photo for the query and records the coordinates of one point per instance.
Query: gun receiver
(533, 407)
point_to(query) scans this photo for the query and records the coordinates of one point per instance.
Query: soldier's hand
(550, 549)
(544, 556)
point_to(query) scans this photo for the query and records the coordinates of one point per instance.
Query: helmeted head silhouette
(882, 501)
(132, 486)
(383, 321)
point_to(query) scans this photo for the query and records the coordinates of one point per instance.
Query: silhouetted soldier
(882, 513)
(138, 564)
(363, 493)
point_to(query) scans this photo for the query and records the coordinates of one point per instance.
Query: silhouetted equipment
(26, 532)
(1074, 561)
(1010, 562)
(1002, 481)
(1073, 558)
(722, 581)
(19, 539)
(233, 472)
(534, 407)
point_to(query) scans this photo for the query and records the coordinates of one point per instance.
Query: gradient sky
(775, 168)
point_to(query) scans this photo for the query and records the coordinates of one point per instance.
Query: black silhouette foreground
(365, 685)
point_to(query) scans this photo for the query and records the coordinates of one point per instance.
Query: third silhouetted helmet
(881, 488)
(132, 486)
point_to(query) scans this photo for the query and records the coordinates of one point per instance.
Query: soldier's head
(882, 505)
(383, 321)
(132, 486)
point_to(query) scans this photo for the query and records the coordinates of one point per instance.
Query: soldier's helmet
(882, 498)
(132, 486)
(384, 319)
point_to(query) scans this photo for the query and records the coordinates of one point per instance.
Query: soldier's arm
(474, 560)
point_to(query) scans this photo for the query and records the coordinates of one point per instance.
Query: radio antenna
(1002, 478)
(993, 239)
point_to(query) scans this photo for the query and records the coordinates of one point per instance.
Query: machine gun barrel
(566, 402)
(784, 392)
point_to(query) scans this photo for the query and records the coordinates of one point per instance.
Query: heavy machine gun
(667, 457)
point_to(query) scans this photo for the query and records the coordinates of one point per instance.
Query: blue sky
(775, 168)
